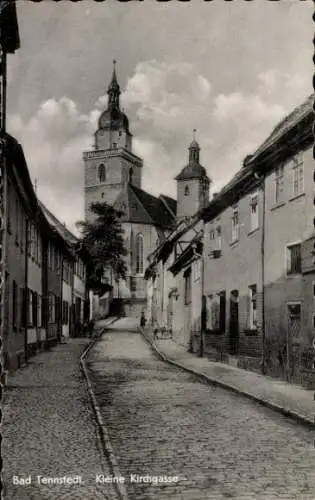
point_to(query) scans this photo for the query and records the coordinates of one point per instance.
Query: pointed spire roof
(112, 117)
(193, 170)
(113, 87)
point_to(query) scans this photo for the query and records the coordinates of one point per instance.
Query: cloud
(164, 102)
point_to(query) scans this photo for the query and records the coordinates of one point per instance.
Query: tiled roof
(170, 202)
(286, 124)
(143, 207)
(69, 237)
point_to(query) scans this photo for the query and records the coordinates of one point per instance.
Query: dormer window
(186, 192)
(102, 173)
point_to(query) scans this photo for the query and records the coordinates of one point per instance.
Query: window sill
(234, 243)
(278, 205)
(253, 231)
(294, 275)
(297, 197)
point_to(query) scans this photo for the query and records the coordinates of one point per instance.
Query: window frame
(297, 168)
(252, 316)
(254, 218)
(279, 183)
(101, 170)
(235, 226)
(139, 254)
(288, 256)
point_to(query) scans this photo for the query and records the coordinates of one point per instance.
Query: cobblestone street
(49, 429)
(162, 421)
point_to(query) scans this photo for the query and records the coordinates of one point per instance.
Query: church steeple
(113, 90)
(194, 150)
(192, 184)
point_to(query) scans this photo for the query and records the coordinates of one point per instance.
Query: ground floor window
(294, 320)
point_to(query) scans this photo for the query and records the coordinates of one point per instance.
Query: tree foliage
(103, 240)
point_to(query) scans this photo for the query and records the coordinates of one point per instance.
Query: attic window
(186, 192)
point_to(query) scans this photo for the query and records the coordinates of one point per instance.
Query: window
(30, 307)
(14, 304)
(279, 184)
(298, 175)
(23, 307)
(252, 307)
(187, 278)
(39, 311)
(313, 286)
(235, 225)
(186, 192)
(218, 238)
(102, 173)
(294, 259)
(131, 175)
(212, 235)
(254, 212)
(139, 254)
(294, 320)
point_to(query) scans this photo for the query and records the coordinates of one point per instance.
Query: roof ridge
(57, 220)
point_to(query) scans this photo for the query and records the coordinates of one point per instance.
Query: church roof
(170, 202)
(141, 207)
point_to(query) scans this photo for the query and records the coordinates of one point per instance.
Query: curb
(102, 429)
(273, 406)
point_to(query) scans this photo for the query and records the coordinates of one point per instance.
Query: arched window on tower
(130, 176)
(139, 253)
(102, 173)
(186, 192)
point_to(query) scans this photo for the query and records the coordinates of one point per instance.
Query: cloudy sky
(231, 70)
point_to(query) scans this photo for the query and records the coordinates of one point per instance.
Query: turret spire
(194, 149)
(113, 90)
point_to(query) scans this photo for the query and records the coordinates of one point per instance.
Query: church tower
(111, 164)
(193, 185)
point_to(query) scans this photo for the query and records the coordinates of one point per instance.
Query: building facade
(34, 255)
(243, 285)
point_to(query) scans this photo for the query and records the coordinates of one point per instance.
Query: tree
(103, 240)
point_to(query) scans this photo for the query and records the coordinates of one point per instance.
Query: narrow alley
(164, 422)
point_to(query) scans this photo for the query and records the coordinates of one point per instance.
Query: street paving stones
(49, 429)
(163, 421)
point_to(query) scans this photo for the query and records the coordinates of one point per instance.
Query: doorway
(234, 323)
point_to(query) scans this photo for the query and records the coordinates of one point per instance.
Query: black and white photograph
(157, 249)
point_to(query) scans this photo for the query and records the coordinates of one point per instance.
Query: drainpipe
(262, 259)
